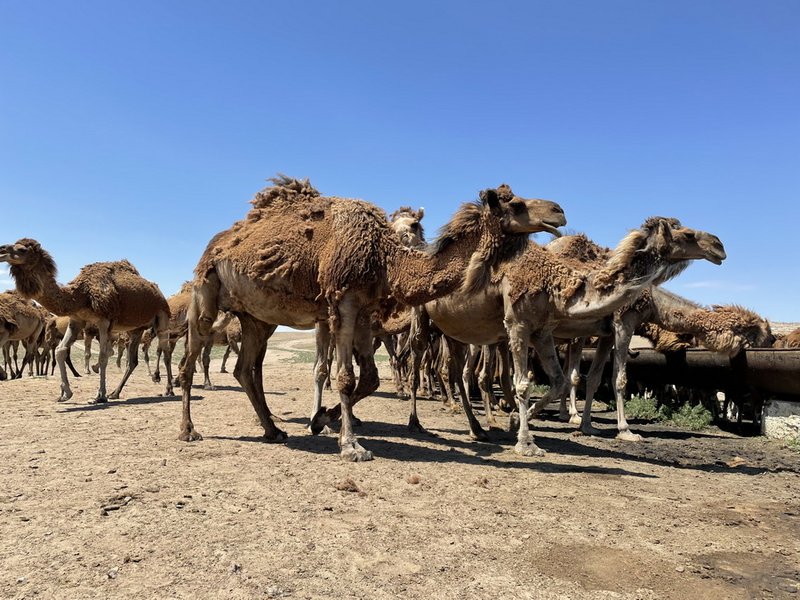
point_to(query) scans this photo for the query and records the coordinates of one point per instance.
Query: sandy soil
(104, 502)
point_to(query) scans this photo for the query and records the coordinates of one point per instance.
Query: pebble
(680, 569)
(112, 573)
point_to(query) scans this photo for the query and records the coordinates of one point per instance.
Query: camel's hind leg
(344, 334)
(133, 360)
(248, 373)
(463, 363)
(206, 358)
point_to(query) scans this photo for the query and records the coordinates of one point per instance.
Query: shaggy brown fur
(789, 340)
(664, 340)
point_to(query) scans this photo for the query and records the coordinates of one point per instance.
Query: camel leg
(322, 333)
(248, 373)
(87, 353)
(593, 382)
(545, 348)
(62, 351)
(418, 340)
(207, 385)
(622, 343)
(518, 336)
(133, 360)
(508, 404)
(194, 344)
(344, 334)
(574, 352)
(15, 351)
(462, 365)
(486, 381)
(102, 360)
(232, 346)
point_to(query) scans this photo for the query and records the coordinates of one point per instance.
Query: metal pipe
(773, 371)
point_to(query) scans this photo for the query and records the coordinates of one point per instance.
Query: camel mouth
(715, 259)
(551, 229)
(5, 254)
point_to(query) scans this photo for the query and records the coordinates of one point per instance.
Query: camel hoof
(320, 421)
(414, 426)
(479, 434)
(113, 396)
(190, 436)
(575, 420)
(354, 452)
(593, 431)
(209, 386)
(628, 436)
(278, 436)
(156, 378)
(95, 368)
(529, 449)
(99, 400)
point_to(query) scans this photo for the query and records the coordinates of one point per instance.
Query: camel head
(523, 215)
(30, 265)
(406, 223)
(677, 243)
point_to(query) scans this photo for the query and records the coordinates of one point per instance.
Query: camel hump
(284, 191)
(356, 259)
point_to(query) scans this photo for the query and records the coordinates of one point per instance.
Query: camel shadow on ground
(404, 452)
(122, 402)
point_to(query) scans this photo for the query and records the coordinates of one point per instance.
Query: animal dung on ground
(348, 485)
(413, 479)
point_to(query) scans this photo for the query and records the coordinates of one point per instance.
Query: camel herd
(482, 291)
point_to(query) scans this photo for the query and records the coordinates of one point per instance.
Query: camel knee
(346, 382)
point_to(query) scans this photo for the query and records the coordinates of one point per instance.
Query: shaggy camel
(789, 340)
(111, 295)
(20, 320)
(659, 316)
(300, 258)
(530, 297)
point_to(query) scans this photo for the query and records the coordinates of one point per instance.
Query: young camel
(21, 321)
(111, 295)
(530, 297)
(300, 258)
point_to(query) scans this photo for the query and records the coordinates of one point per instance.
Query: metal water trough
(773, 372)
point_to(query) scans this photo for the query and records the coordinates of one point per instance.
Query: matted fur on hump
(357, 254)
(98, 282)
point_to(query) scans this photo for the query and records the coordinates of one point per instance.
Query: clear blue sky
(139, 129)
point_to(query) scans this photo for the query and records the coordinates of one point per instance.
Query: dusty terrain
(104, 502)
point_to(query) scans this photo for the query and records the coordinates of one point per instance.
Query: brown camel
(724, 329)
(789, 340)
(535, 294)
(20, 320)
(111, 295)
(300, 258)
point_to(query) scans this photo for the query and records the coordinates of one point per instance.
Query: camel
(20, 320)
(54, 331)
(300, 258)
(111, 295)
(529, 297)
(789, 340)
(658, 315)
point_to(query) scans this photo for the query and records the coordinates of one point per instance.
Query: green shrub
(689, 417)
(639, 407)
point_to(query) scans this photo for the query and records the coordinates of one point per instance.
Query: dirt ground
(104, 502)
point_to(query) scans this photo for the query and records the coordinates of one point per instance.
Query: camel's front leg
(575, 348)
(62, 351)
(518, 337)
(622, 342)
(133, 360)
(102, 360)
(317, 423)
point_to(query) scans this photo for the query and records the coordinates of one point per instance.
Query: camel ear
(420, 213)
(664, 234)
(490, 199)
